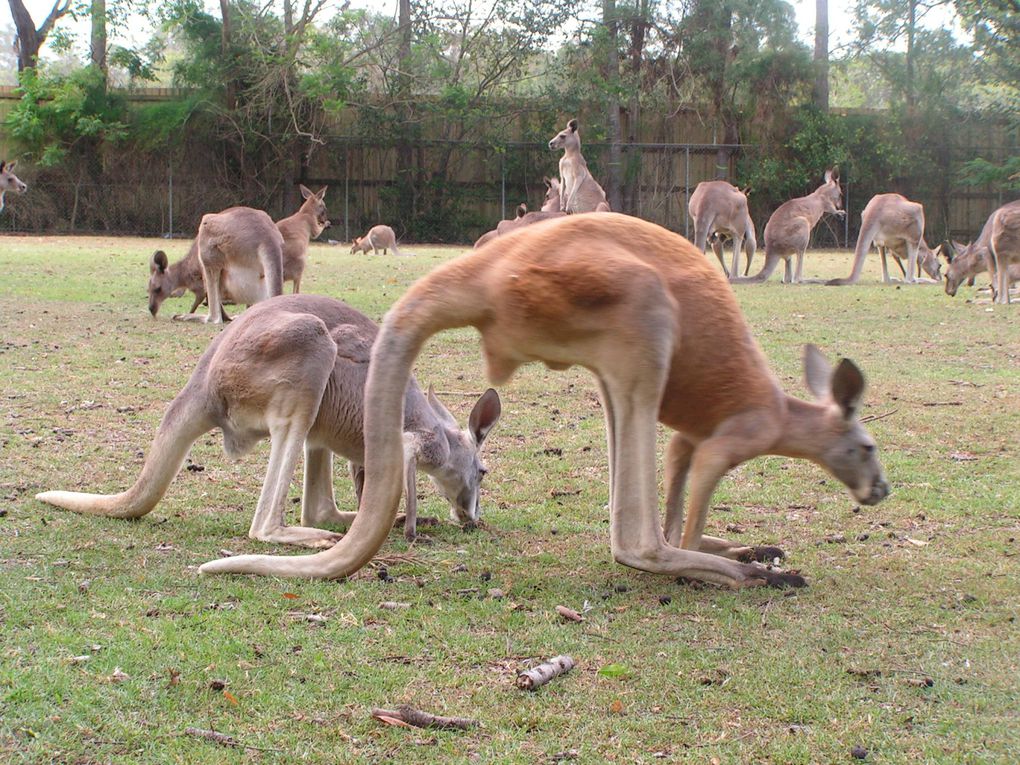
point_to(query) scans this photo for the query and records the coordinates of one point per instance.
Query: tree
(821, 91)
(611, 66)
(30, 38)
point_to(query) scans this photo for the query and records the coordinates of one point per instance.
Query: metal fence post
(687, 192)
(170, 234)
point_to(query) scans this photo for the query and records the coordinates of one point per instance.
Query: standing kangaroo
(299, 230)
(579, 191)
(378, 238)
(9, 181)
(788, 231)
(659, 328)
(1003, 237)
(240, 252)
(166, 280)
(720, 207)
(293, 369)
(895, 224)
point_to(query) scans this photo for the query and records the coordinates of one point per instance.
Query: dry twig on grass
(408, 715)
(532, 678)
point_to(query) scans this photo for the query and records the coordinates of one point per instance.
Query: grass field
(905, 644)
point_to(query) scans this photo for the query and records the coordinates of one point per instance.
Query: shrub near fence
(461, 189)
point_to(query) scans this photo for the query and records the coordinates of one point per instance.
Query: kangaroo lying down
(661, 330)
(293, 369)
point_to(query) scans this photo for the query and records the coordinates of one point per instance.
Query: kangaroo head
(315, 205)
(522, 210)
(848, 451)
(551, 203)
(567, 138)
(962, 266)
(929, 260)
(459, 471)
(161, 286)
(9, 181)
(830, 193)
(356, 245)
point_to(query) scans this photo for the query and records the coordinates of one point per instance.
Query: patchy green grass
(905, 644)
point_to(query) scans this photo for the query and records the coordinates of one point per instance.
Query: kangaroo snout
(880, 489)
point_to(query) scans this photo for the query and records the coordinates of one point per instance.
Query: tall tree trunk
(405, 155)
(726, 120)
(98, 40)
(612, 79)
(29, 39)
(911, 29)
(230, 93)
(632, 179)
(821, 91)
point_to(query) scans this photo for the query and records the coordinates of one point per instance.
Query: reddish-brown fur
(661, 331)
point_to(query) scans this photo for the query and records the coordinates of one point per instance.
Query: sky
(840, 15)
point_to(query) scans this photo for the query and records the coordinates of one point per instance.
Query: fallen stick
(211, 735)
(532, 678)
(420, 719)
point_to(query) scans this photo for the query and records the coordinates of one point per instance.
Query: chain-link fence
(459, 190)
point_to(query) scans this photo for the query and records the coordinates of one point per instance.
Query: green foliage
(56, 113)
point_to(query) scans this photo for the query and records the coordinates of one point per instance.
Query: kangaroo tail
(451, 296)
(183, 423)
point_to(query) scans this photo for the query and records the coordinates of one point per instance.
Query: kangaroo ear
(322, 193)
(2, 165)
(937, 251)
(522, 210)
(847, 387)
(817, 372)
(158, 262)
(484, 415)
(305, 191)
(441, 410)
(572, 125)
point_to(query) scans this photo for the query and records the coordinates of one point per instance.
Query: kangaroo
(720, 207)
(240, 252)
(657, 325)
(551, 203)
(524, 218)
(377, 238)
(1003, 238)
(969, 261)
(166, 280)
(895, 224)
(299, 230)
(579, 191)
(293, 369)
(9, 181)
(788, 231)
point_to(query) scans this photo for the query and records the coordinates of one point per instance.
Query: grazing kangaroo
(378, 238)
(299, 230)
(293, 369)
(895, 224)
(659, 328)
(720, 207)
(9, 181)
(969, 261)
(788, 231)
(166, 280)
(579, 191)
(240, 252)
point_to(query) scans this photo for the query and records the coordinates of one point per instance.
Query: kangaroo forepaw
(778, 579)
(764, 554)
